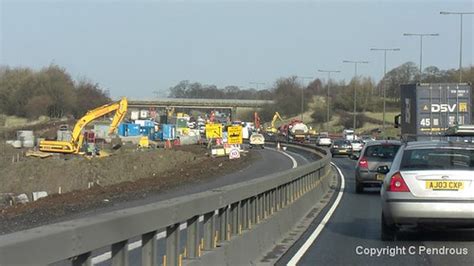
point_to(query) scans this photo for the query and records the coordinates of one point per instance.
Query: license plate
(445, 185)
(379, 177)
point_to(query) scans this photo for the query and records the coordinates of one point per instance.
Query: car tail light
(397, 184)
(363, 163)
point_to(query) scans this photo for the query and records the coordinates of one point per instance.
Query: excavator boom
(75, 144)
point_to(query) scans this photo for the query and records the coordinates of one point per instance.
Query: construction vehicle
(256, 139)
(74, 145)
(272, 129)
(256, 122)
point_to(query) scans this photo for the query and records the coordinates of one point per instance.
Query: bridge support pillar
(233, 114)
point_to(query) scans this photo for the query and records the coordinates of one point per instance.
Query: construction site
(113, 154)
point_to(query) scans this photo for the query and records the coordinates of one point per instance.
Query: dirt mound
(129, 176)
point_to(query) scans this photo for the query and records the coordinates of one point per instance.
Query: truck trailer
(428, 109)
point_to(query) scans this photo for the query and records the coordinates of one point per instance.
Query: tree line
(50, 91)
(286, 92)
(196, 90)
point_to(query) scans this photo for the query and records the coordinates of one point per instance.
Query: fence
(229, 225)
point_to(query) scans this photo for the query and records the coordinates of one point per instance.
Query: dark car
(374, 154)
(341, 147)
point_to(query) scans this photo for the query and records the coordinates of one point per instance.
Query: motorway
(271, 161)
(353, 232)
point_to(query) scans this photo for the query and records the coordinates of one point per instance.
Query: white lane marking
(295, 163)
(320, 227)
(299, 155)
(107, 255)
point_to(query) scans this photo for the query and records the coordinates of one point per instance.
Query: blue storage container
(149, 123)
(158, 135)
(147, 131)
(133, 130)
(122, 129)
(169, 131)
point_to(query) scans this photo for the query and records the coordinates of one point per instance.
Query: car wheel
(388, 232)
(359, 188)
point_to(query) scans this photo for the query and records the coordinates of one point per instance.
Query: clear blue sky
(133, 48)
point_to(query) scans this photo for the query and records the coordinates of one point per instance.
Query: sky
(141, 48)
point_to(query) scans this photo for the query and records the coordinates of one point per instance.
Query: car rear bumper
(368, 177)
(406, 212)
(341, 152)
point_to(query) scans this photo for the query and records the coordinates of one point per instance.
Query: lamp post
(355, 95)
(460, 39)
(327, 96)
(421, 35)
(302, 95)
(385, 50)
(257, 83)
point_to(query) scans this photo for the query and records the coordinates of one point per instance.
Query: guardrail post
(278, 198)
(149, 252)
(208, 231)
(234, 214)
(290, 191)
(244, 215)
(82, 260)
(297, 187)
(192, 237)
(267, 202)
(223, 223)
(300, 186)
(120, 253)
(260, 212)
(172, 245)
(253, 211)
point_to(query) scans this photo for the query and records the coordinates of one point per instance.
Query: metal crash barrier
(229, 225)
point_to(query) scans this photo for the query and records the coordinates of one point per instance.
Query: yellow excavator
(272, 128)
(75, 144)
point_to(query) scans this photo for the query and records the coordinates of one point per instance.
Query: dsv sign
(444, 108)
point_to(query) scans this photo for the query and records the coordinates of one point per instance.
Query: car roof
(381, 142)
(438, 144)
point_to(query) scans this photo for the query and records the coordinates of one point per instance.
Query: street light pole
(460, 38)
(355, 94)
(421, 35)
(384, 73)
(302, 95)
(327, 96)
(257, 83)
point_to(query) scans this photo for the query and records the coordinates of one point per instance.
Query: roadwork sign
(234, 135)
(213, 131)
(234, 153)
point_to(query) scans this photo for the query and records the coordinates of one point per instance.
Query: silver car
(373, 155)
(429, 183)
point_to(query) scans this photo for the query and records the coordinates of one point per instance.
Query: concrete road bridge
(190, 104)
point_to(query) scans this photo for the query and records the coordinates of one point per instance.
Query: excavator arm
(75, 144)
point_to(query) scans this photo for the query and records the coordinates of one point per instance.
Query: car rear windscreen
(381, 151)
(438, 159)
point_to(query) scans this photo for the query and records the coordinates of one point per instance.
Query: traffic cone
(278, 146)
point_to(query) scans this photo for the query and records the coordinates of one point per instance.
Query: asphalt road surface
(271, 161)
(352, 235)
